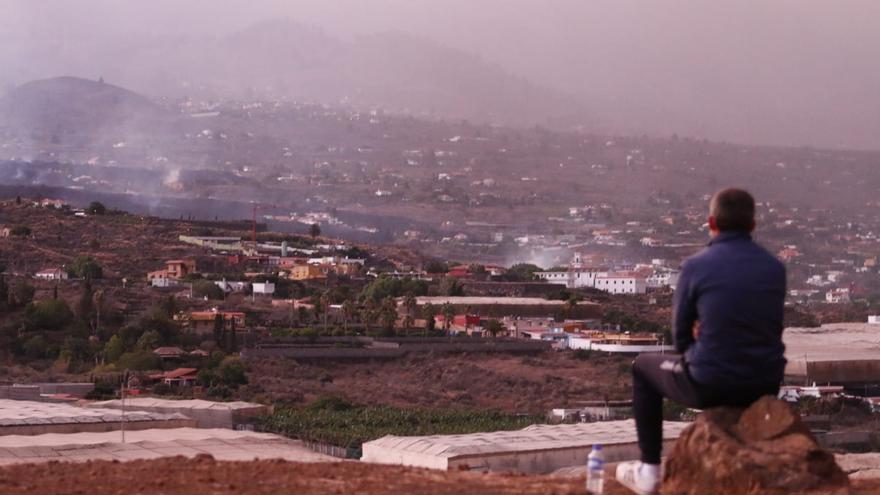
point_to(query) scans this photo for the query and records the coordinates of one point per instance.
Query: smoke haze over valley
(801, 73)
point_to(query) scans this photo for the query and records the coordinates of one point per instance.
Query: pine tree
(86, 306)
(233, 345)
(218, 329)
(4, 294)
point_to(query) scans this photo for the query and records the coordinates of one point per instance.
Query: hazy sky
(767, 71)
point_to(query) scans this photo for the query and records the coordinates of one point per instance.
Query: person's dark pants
(656, 376)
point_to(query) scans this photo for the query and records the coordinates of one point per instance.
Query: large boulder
(763, 449)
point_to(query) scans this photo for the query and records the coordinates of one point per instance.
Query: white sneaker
(643, 479)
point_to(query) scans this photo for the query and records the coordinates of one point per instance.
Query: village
(240, 338)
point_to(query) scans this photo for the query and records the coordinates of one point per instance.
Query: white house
(578, 274)
(51, 274)
(662, 278)
(573, 278)
(228, 287)
(621, 283)
(874, 319)
(837, 296)
(164, 282)
(266, 288)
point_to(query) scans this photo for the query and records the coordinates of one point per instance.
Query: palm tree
(368, 314)
(410, 303)
(408, 321)
(388, 314)
(325, 305)
(349, 309)
(448, 314)
(317, 309)
(428, 313)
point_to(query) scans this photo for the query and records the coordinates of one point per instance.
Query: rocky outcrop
(763, 449)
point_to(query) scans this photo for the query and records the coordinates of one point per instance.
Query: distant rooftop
(222, 444)
(535, 449)
(28, 418)
(137, 402)
(520, 301)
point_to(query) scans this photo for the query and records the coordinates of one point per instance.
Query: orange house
(175, 269)
(309, 272)
(202, 322)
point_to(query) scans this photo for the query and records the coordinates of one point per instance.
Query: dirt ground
(202, 476)
(516, 384)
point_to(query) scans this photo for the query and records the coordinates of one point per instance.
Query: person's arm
(684, 311)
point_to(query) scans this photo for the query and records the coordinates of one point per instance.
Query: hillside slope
(73, 105)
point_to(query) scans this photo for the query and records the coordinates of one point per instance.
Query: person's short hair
(733, 209)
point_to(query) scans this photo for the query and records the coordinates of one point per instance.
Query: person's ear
(752, 228)
(713, 224)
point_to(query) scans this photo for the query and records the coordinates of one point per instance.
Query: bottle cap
(597, 446)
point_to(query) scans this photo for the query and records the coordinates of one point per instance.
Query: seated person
(727, 327)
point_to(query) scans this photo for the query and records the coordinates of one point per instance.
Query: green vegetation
(20, 231)
(494, 327)
(140, 360)
(230, 372)
(206, 288)
(436, 267)
(50, 314)
(85, 267)
(96, 208)
(337, 422)
(629, 322)
(521, 272)
(384, 287)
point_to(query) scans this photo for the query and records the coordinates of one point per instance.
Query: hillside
(392, 70)
(284, 59)
(63, 106)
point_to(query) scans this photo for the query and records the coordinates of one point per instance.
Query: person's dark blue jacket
(736, 290)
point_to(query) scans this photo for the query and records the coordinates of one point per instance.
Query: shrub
(36, 347)
(114, 348)
(139, 361)
(149, 340)
(86, 267)
(20, 294)
(231, 372)
(96, 208)
(219, 392)
(20, 231)
(50, 314)
(384, 287)
(206, 288)
(522, 272)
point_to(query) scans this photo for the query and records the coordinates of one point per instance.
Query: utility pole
(124, 385)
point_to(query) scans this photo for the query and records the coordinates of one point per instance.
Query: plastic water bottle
(595, 471)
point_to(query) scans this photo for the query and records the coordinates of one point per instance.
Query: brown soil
(514, 384)
(201, 476)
